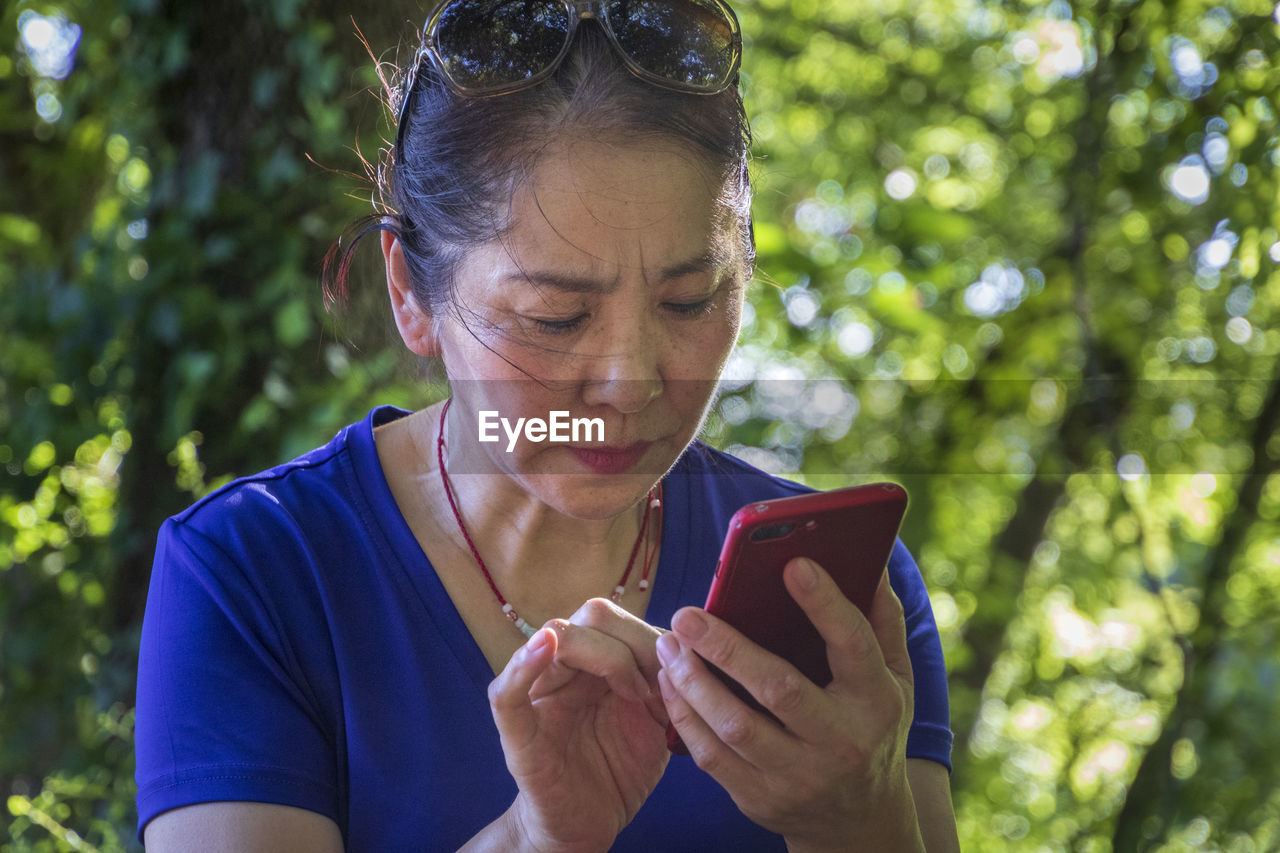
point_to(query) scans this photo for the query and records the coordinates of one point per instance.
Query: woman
(571, 235)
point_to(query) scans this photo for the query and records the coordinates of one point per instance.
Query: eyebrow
(569, 283)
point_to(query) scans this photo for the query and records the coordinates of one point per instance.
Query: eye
(556, 326)
(699, 308)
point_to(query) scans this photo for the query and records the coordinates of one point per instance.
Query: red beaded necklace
(652, 501)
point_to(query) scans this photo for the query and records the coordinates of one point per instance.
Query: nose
(627, 374)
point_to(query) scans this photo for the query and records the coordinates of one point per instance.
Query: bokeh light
(50, 43)
(1189, 180)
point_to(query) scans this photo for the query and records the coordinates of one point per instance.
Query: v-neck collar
(669, 581)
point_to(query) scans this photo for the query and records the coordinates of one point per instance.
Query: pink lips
(610, 460)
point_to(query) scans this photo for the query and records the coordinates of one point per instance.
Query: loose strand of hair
(336, 269)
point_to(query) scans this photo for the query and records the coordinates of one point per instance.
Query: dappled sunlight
(1023, 259)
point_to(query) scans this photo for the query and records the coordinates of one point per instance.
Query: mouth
(610, 459)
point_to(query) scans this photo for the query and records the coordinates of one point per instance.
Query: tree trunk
(1148, 806)
(1092, 414)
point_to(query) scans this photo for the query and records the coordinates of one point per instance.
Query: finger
(705, 746)
(509, 692)
(780, 687)
(580, 650)
(858, 652)
(603, 615)
(744, 730)
(890, 627)
(637, 635)
(558, 674)
(853, 650)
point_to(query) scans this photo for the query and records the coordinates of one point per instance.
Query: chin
(593, 497)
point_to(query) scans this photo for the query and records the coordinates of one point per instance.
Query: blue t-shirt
(299, 649)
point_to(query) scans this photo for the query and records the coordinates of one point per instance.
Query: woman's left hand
(837, 772)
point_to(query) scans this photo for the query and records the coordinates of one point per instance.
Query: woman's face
(615, 294)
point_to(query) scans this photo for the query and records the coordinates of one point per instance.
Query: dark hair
(448, 183)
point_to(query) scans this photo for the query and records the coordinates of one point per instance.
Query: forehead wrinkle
(579, 274)
(566, 282)
(571, 282)
(553, 279)
(716, 256)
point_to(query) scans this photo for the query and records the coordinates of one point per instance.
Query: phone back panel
(849, 532)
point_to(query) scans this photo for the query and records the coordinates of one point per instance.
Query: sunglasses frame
(578, 10)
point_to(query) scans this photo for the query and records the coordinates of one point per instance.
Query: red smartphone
(849, 532)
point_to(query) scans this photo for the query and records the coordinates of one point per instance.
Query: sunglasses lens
(491, 44)
(689, 43)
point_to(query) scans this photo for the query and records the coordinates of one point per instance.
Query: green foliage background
(1035, 243)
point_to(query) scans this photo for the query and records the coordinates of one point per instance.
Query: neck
(542, 561)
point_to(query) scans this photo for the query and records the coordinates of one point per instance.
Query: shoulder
(265, 561)
(725, 473)
(713, 485)
(286, 528)
(332, 477)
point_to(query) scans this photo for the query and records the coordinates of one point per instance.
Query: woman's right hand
(583, 728)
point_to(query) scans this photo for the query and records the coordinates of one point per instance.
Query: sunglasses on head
(493, 47)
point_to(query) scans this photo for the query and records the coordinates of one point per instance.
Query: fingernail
(690, 624)
(536, 643)
(668, 649)
(806, 574)
(643, 691)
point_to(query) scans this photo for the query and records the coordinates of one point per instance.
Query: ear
(415, 324)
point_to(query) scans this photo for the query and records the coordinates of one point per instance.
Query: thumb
(509, 692)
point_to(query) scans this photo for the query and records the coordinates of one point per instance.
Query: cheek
(486, 353)
(707, 349)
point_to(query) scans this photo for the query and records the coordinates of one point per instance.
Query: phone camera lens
(771, 532)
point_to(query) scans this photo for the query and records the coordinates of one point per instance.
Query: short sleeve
(224, 709)
(930, 736)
